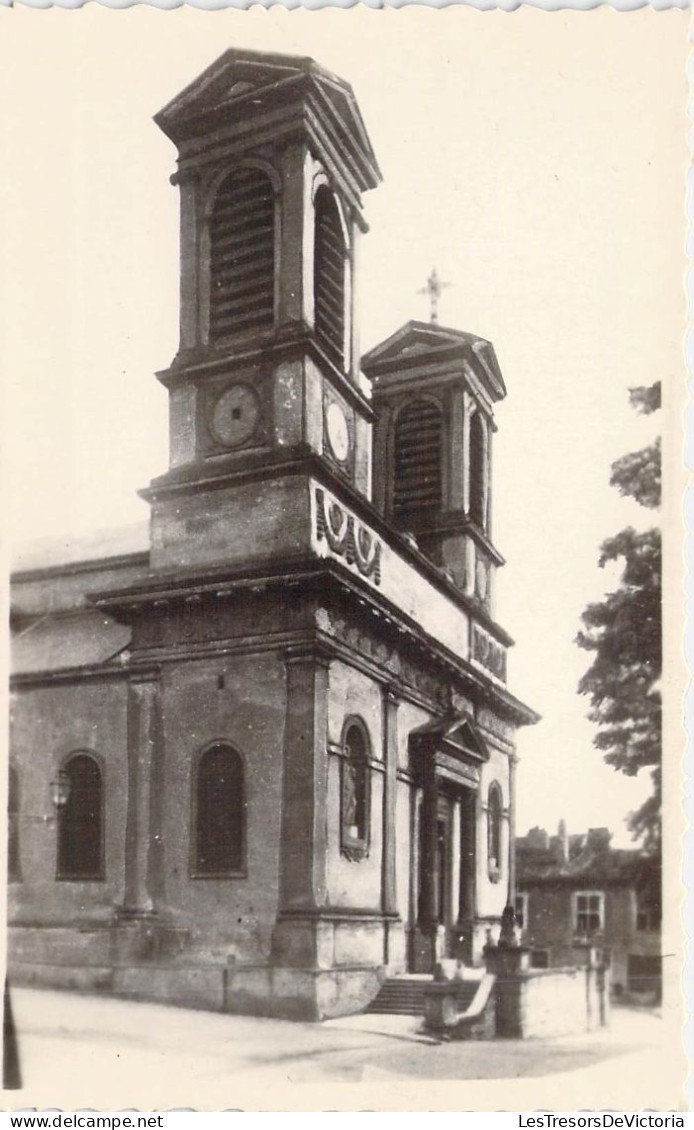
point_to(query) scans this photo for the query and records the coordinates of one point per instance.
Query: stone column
(455, 870)
(430, 909)
(303, 862)
(390, 758)
(468, 878)
(143, 730)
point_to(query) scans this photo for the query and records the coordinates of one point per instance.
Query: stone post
(508, 963)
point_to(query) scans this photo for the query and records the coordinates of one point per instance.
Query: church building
(263, 760)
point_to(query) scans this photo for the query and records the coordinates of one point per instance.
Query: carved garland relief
(488, 652)
(347, 537)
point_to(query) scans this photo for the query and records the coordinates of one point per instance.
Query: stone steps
(404, 996)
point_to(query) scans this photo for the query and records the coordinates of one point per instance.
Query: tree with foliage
(624, 632)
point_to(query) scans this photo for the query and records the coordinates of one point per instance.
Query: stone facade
(280, 720)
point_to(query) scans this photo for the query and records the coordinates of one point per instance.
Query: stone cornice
(289, 343)
(306, 461)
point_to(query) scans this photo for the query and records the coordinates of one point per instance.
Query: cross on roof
(433, 288)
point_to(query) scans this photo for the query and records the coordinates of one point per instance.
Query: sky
(536, 159)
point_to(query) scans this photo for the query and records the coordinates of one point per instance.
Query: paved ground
(80, 1051)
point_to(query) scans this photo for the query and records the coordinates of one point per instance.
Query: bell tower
(434, 391)
(273, 158)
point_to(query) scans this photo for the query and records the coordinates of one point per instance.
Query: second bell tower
(273, 158)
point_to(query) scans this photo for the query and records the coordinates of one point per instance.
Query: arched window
(478, 489)
(219, 818)
(80, 821)
(14, 870)
(494, 818)
(355, 792)
(417, 456)
(329, 275)
(242, 255)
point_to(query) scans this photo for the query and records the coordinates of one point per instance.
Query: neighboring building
(264, 756)
(576, 889)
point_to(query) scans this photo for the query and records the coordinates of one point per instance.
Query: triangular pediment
(420, 342)
(454, 734)
(240, 83)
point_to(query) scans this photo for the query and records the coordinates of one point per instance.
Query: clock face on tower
(338, 432)
(235, 415)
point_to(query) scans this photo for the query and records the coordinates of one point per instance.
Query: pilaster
(512, 763)
(458, 451)
(467, 414)
(189, 250)
(390, 758)
(303, 854)
(143, 732)
(295, 268)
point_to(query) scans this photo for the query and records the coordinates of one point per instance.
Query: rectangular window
(648, 914)
(648, 918)
(589, 916)
(521, 909)
(539, 959)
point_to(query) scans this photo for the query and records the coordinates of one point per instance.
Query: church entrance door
(445, 893)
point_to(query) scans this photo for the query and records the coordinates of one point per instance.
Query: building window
(648, 919)
(355, 792)
(242, 255)
(219, 816)
(417, 458)
(521, 909)
(329, 258)
(14, 870)
(478, 471)
(589, 909)
(80, 821)
(494, 838)
(648, 912)
(539, 959)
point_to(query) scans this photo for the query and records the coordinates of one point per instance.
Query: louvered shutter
(329, 276)
(477, 491)
(417, 479)
(242, 255)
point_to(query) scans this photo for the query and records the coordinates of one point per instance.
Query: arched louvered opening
(14, 870)
(242, 255)
(220, 813)
(478, 491)
(80, 821)
(417, 480)
(329, 275)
